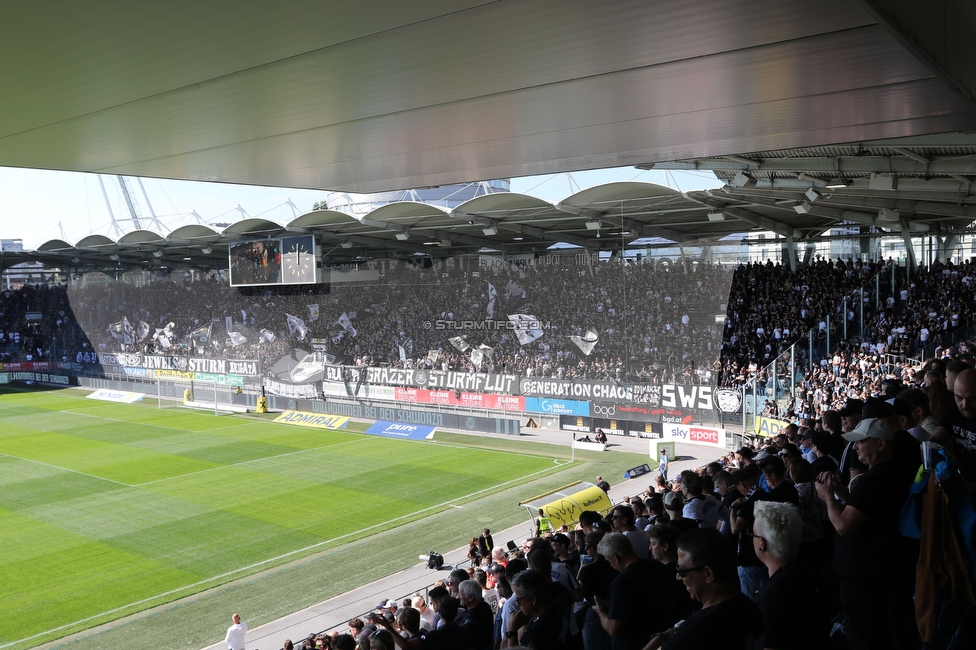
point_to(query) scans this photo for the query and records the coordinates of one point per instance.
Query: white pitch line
(264, 562)
(67, 469)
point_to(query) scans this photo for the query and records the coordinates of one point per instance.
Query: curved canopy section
(254, 227)
(55, 245)
(141, 237)
(322, 219)
(94, 241)
(193, 232)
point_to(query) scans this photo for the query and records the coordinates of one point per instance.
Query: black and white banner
(247, 368)
(477, 382)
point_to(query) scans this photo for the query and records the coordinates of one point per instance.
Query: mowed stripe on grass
(103, 505)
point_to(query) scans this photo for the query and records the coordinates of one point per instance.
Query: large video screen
(286, 260)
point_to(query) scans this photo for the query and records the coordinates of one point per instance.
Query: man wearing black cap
(870, 558)
(752, 572)
(849, 466)
(746, 457)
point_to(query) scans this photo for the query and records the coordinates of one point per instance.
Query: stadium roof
(778, 99)
(384, 95)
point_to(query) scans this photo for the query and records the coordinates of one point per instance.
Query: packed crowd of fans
(801, 541)
(661, 318)
(650, 322)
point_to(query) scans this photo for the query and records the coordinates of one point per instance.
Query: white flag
(477, 356)
(403, 352)
(142, 330)
(527, 327)
(432, 355)
(296, 326)
(347, 324)
(268, 335)
(585, 343)
(164, 336)
(236, 338)
(491, 300)
(313, 312)
(459, 343)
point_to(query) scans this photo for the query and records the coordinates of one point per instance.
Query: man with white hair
(776, 539)
(477, 618)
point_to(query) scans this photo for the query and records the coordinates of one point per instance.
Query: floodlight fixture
(114, 257)
(445, 243)
(593, 224)
(812, 194)
(346, 244)
(716, 216)
(803, 208)
(491, 230)
(403, 235)
(743, 180)
(157, 253)
(206, 250)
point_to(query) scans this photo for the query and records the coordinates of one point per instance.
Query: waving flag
(142, 330)
(164, 336)
(587, 342)
(296, 326)
(527, 327)
(459, 343)
(347, 325)
(492, 294)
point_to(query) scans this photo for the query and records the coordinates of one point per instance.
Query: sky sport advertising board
(695, 435)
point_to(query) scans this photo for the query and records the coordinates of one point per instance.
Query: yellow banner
(768, 427)
(315, 420)
(566, 509)
(172, 373)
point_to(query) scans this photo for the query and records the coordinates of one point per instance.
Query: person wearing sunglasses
(728, 619)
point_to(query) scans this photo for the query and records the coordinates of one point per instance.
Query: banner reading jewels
(247, 368)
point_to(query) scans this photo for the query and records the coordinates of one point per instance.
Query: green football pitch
(107, 509)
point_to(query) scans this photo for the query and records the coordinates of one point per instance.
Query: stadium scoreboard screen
(277, 261)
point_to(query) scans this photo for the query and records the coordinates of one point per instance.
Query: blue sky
(38, 205)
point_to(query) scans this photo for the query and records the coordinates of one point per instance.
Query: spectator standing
(727, 619)
(639, 604)
(870, 556)
(235, 633)
(776, 540)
